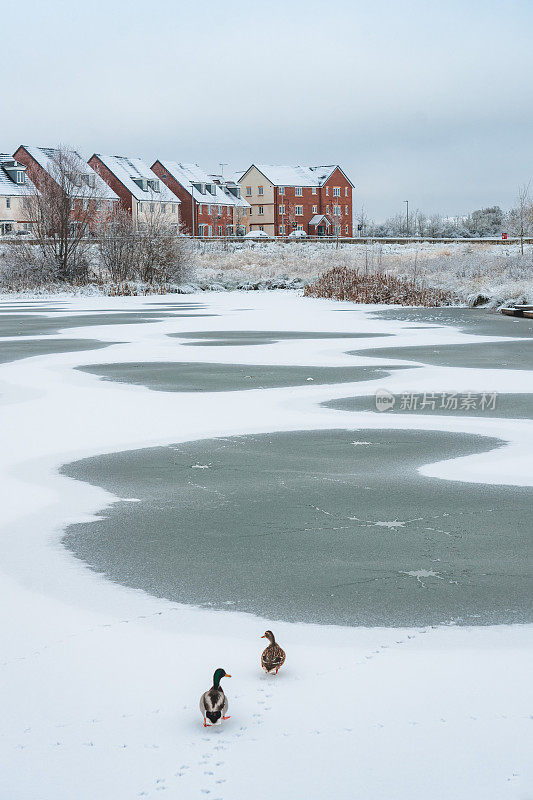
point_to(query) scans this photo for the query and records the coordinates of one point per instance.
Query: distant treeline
(484, 222)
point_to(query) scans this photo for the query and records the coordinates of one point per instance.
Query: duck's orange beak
(263, 637)
(227, 675)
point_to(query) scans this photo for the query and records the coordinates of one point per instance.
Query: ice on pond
(422, 573)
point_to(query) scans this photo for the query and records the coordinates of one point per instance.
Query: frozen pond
(170, 462)
(322, 527)
(331, 526)
(204, 377)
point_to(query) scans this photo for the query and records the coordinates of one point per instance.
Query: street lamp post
(406, 217)
(192, 206)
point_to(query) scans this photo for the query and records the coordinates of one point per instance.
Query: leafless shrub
(152, 251)
(164, 255)
(22, 269)
(341, 283)
(118, 247)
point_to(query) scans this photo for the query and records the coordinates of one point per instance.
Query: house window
(163, 208)
(220, 211)
(345, 209)
(299, 210)
(327, 209)
(313, 190)
(298, 191)
(346, 191)
(210, 230)
(327, 191)
(282, 230)
(261, 227)
(299, 227)
(201, 230)
(248, 191)
(220, 230)
(281, 190)
(8, 202)
(152, 208)
(260, 210)
(337, 228)
(336, 191)
(85, 205)
(282, 209)
(346, 229)
(260, 191)
(315, 209)
(229, 230)
(139, 208)
(173, 208)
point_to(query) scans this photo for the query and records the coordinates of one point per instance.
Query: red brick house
(91, 196)
(210, 206)
(141, 192)
(316, 200)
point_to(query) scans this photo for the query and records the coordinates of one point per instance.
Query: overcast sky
(416, 99)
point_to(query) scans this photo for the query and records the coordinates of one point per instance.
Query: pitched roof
(8, 187)
(317, 219)
(45, 157)
(185, 174)
(127, 170)
(296, 176)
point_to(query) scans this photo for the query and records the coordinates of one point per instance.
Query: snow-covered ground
(101, 683)
(473, 271)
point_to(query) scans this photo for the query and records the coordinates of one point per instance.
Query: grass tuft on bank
(343, 283)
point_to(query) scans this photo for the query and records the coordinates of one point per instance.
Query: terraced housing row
(275, 200)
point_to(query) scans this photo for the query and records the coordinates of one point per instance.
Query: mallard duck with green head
(214, 703)
(273, 656)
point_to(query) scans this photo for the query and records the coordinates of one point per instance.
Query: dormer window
(154, 185)
(15, 171)
(89, 179)
(142, 183)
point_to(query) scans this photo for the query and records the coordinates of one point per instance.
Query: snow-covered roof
(45, 157)
(232, 190)
(296, 176)
(8, 187)
(317, 219)
(186, 174)
(130, 170)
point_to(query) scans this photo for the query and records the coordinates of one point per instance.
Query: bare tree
(215, 217)
(337, 217)
(63, 207)
(239, 218)
(289, 217)
(362, 220)
(521, 217)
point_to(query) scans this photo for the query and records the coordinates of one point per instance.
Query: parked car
(257, 235)
(297, 235)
